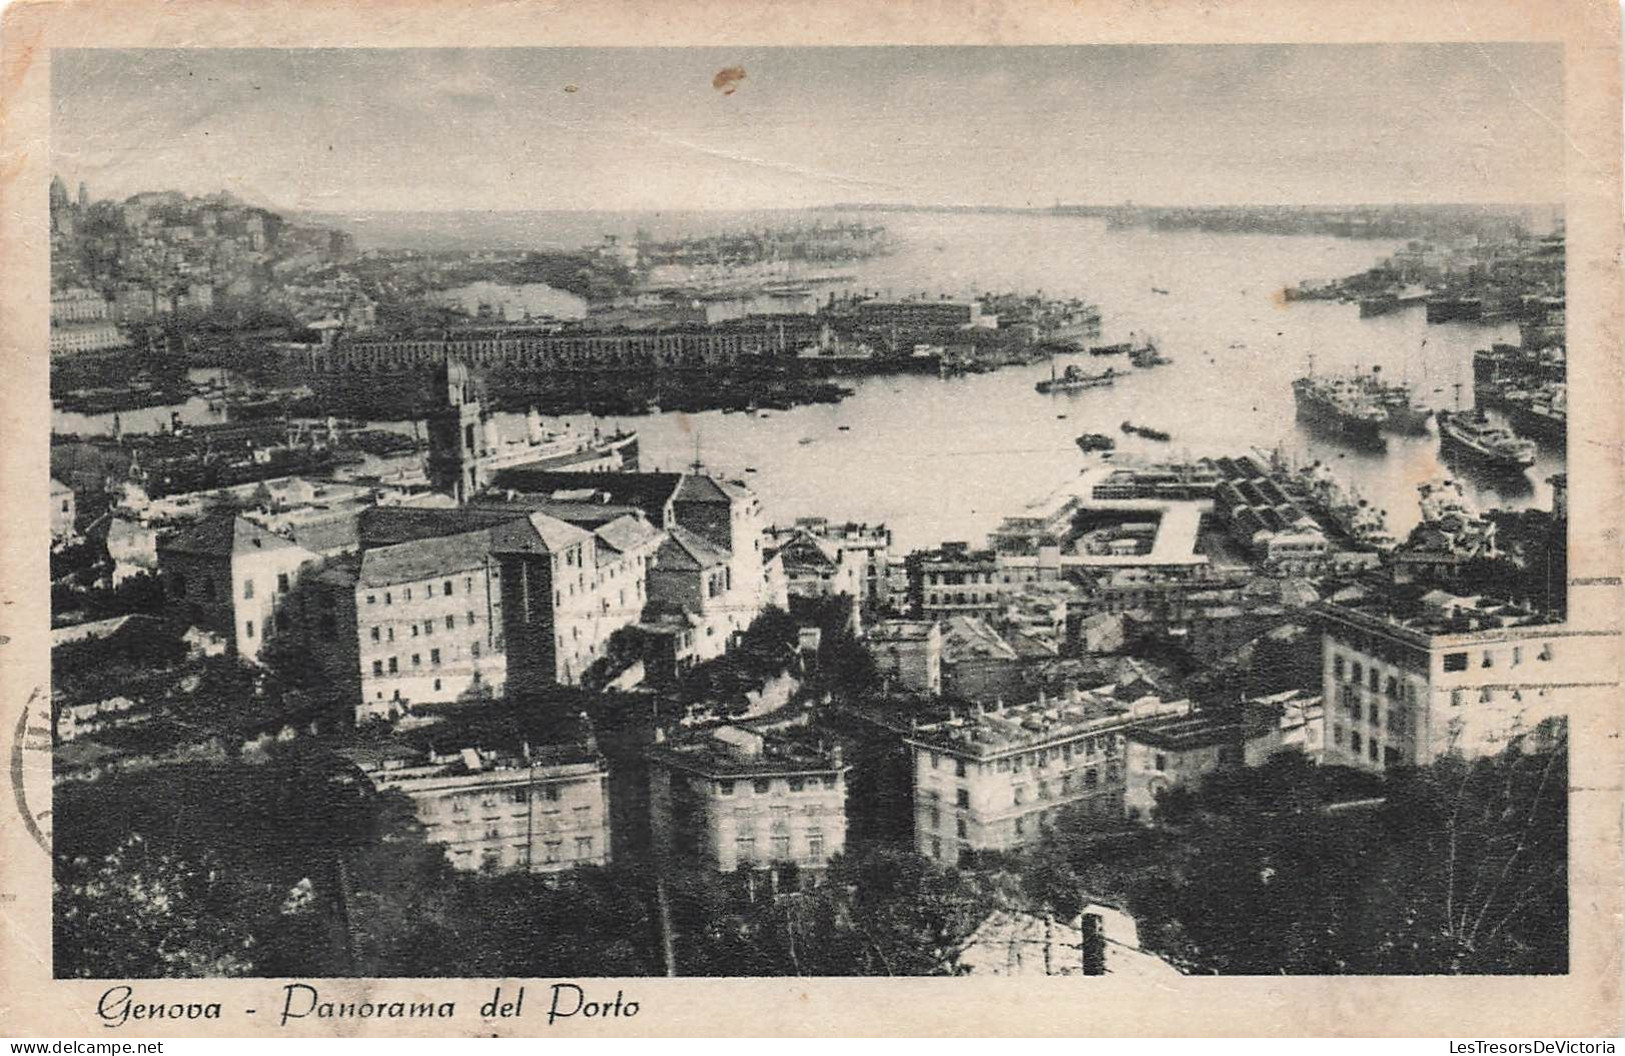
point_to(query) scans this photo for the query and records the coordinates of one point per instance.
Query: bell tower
(456, 433)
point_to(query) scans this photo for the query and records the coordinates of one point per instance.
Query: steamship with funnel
(1339, 405)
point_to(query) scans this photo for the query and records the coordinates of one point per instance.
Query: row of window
(1041, 758)
(1369, 747)
(552, 853)
(779, 848)
(763, 785)
(392, 666)
(447, 587)
(1459, 661)
(386, 632)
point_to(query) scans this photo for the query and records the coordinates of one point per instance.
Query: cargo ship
(1073, 380)
(1540, 411)
(1399, 403)
(1340, 406)
(1444, 308)
(1470, 433)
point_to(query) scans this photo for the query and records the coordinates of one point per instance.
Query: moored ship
(1341, 508)
(1072, 380)
(1399, 402)
(567, 449)
(1472, 434)
(1540, 411)
(1444, 308)
(1340, 406)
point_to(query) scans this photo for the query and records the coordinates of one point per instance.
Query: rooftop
(745, 749)
(986, 732)
(1189, 732)
(537, 533)
(901, 630)
(419, 559)
(627, 532)
(1435, 614)
(392, 763)
(684, 550)
(222, 535)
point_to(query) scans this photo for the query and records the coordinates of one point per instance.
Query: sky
(622, 129)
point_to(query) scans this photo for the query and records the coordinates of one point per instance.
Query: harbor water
(946, 459)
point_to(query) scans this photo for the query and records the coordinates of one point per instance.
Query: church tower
(456, 433)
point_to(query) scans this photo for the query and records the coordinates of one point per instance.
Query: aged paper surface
(1433, 186)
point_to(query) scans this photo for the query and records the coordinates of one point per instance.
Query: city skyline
(1289, 125)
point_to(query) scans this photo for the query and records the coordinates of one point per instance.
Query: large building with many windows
(1451, 675)
(748, 796)
(537, 810)
(451, 604)
(709, 575)
(994, 779)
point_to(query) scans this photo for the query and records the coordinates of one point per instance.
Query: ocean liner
(1472, 434)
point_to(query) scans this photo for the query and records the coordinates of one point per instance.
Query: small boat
(1142, 431)
(750, 469)
(1095, 442)
(843, 428)
(1159, 289)
(804, 441)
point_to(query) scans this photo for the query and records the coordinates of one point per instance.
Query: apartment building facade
(1459, 677)
(747, 797)
(532, 810)
(993, 780)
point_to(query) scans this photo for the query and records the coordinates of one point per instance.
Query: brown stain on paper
(727, 79)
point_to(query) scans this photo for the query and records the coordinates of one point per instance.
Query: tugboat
(1339, 405)
(1095, 442)
(1131, 348)
(1072, 379)
(1147, 356)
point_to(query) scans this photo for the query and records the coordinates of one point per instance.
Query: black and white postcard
(594, 521)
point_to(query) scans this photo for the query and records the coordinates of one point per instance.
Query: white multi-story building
(537, 810)
(992, 780)
(1459, 676)
(566, 591)
(748, 796)
(450, 604)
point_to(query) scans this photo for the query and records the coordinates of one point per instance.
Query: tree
(141, 912)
